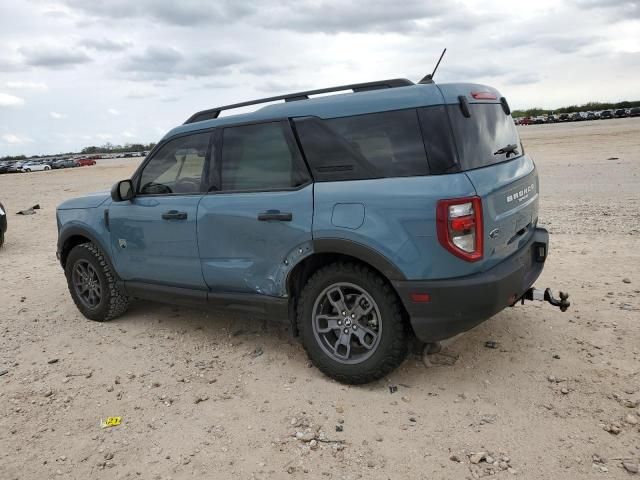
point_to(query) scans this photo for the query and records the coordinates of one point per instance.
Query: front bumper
(459, 304)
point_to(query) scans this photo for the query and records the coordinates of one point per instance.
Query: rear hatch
(491, 155)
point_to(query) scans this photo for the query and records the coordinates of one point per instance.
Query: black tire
(392, 345)
(113, 302)
(1, 238)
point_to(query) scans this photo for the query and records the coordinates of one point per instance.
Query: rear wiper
(511, 149)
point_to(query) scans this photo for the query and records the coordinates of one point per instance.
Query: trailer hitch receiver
(547, 296)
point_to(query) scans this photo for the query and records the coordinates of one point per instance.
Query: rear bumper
(459, 304)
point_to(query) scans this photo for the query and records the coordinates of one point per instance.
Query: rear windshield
(485, 138)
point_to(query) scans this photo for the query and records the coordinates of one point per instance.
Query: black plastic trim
(213, 113)
(361, 252)
(459, 304)
(75, 230)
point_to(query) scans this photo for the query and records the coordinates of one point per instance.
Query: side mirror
(122, 191)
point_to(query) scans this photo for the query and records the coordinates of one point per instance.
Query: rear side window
(259, 157)
(377, 145)
(488, 136)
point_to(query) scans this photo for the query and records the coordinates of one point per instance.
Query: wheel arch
(76, 235)
(327, 251)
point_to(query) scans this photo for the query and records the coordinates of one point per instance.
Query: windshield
(488, 136)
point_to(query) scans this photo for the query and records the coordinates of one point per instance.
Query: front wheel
(93, 285)
(47, 168)
(351, 323)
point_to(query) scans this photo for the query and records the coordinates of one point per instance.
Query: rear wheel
(351, 323)
(93, 285)
(47, 168)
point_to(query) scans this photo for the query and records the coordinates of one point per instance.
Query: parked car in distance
(362, 218)
(620, 113)
(85, 162)
(4, 166)
(634, 112)
(66, 163)
(591, 116)
(564, 117)
(35, 167)
(15, 167)
(551, 119)
(606, 114)
(3, 223)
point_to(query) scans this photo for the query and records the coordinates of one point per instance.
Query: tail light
(459, 224)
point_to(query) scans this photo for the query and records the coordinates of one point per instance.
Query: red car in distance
(85, 162)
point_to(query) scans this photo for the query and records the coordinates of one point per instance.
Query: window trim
(297, 154)
(137, 175)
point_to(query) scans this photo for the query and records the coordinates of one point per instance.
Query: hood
(90, 200)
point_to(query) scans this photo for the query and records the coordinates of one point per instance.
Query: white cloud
(128, 134)
(27, 85)
(104, 136)
(57, 115)
(14, 139)
(113, 111)
(7, 100)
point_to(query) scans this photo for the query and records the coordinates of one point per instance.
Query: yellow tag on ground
(111, 422)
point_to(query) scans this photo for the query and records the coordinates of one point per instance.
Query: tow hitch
(546, 296)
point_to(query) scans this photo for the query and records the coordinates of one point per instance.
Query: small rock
(393, 388)
(339, 428)
(564, 390)
(379, 438)
(631, 419)
(257, 352)
(556, 356)
(294, 421)
(612, 429)
(199, 399)
(48, 393)
(108, 456)
(110, 388)
(455, 458)
(53, 360)
(491, 344)
(626, 280)
(631, 467)
(476, 458)
(489, 459)
(3, 372)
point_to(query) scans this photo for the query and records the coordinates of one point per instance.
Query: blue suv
(364, 218)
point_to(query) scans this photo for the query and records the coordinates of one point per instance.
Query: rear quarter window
(377, 145)
(483, 134)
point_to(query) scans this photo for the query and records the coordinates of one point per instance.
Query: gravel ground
(210, 395)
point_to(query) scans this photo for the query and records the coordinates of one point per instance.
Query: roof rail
(292, 97)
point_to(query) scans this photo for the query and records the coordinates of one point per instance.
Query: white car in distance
(34, 167)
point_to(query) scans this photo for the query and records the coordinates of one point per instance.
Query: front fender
(87, 226)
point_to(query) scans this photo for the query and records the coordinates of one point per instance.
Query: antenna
(429, 77)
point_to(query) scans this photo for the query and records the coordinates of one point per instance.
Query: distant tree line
(591, 106)
(110, 148)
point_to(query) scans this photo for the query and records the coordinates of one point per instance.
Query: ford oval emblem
(495, 233)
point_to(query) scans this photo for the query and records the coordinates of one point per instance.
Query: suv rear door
(258, 209)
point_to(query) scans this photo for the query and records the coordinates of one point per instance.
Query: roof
(340, 105)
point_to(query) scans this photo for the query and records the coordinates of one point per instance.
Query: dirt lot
(205, 395)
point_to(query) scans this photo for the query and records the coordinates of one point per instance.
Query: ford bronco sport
(363, 218)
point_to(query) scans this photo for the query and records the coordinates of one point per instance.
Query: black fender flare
(78, 230)
(361, 252)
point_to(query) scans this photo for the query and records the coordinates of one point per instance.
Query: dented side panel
(240, 253)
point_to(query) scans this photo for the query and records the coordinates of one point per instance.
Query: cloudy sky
(84, 72)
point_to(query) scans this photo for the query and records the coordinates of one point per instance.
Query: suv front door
(153, 236)
(257, 212)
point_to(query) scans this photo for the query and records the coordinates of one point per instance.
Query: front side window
(258, 157)
(177, 167)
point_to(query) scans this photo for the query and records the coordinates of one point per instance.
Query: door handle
(174, 215)
(275, 215)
